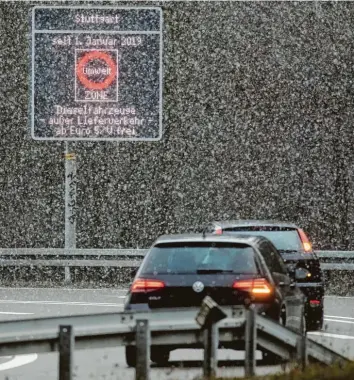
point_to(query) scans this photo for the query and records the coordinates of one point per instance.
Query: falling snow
(257, 121)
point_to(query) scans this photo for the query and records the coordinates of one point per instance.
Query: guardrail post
(142, 349)
(250, 342)
(66, 350)
(210, 351)
(301, 347)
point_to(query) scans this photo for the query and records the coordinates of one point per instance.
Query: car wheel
(282, 317)
(130, 356)
(159, 355)
(269, 357)
(303, 326)
(314, 323)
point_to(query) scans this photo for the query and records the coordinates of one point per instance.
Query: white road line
(60, 303)
(93, 290)
(337, 316)
(18, 361)
(330, 335)
(14, 313)
(338, 320)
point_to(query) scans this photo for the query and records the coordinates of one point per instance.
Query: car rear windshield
(283, 238)
(192, 258)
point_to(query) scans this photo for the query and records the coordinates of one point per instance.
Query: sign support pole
(70, 203)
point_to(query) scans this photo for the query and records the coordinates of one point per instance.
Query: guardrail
(58, 267)
(177, 328)
(71, 257)
(108, 265)
(336, 260)
(124, 257)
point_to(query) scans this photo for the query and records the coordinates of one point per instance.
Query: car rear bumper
(314, 293)
(312, 290)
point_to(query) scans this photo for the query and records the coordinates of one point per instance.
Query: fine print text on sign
(96, 73)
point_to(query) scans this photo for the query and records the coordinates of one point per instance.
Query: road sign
(96, 73)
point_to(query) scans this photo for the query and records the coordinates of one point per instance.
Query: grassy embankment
(312, 372)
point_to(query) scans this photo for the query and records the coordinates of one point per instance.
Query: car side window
(272, 258)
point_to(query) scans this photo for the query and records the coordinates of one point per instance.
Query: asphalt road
(33, 303)
(110, 364)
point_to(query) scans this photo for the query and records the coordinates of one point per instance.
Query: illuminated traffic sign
(96, 73)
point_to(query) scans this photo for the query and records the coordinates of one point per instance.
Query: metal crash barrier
(206, 327)
(108, 266)
(130, 257)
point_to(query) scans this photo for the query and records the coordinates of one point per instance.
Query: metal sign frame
(77, 31)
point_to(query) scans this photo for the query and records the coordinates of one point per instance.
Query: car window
(188, 257)
(272, 258)
(283, 238)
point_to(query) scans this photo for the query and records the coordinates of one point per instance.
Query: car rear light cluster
(305, 241)
(218, 231)
(315, 303)
(257, 287)
(146, 285)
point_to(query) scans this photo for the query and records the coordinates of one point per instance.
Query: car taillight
(257, 286)
(218, 231)
(146, 285)
(305, 241)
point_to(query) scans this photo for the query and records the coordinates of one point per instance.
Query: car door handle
(292, 285)
(282, 284)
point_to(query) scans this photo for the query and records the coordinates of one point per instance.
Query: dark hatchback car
(296, 250)
(180, 270)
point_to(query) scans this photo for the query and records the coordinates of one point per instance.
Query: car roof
(242, 239)
(254, 223)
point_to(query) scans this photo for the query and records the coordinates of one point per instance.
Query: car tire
(282, 317)
(268, 357)
(303, 331)
(159, 355)
(314, 324)
(130, 356)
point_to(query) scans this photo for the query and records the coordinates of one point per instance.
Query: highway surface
(110, 364)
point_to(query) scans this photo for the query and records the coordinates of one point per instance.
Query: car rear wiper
(288, 251)
(211, 271)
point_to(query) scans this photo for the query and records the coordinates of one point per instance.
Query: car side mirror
(302, 274)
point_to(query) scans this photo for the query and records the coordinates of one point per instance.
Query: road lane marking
(14, 313)
(93, 290)
(71, 303)
(339, 297)
(337, 316)
(338, 320)
(18, 361)
(330, 335)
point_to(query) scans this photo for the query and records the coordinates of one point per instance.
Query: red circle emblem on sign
(90, 57)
